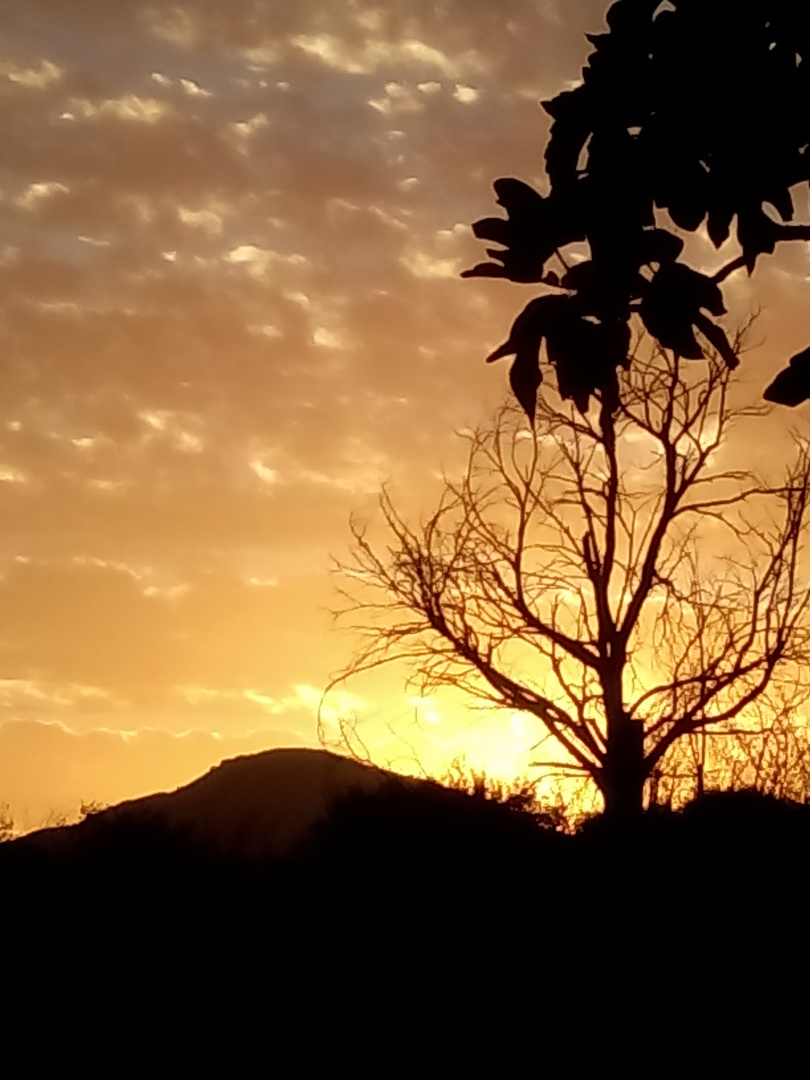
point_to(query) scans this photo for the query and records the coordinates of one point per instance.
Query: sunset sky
(230, 239)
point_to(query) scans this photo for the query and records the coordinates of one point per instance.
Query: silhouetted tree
(602, 571)
(693, 107)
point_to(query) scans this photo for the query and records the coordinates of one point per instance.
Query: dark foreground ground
(415, 932)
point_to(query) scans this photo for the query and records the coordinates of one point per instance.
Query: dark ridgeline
(407, 923)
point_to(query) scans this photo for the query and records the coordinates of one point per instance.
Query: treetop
(691, 107)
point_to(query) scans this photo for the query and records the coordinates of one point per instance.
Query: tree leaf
(719, 224)
(537, 319)
(525, 378)
(756, 233)
(672, 330)
(672, 305)
(716, 335)
(519, 199)
(689, 288)
(490, 270)
(782, 202)
(533, 230)
(586, 354)
(573, 124)
(581, 275)
(530, 327)
(792, 386)
(493, 228)
(658, 245)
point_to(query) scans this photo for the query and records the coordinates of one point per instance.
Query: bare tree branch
(601, 574)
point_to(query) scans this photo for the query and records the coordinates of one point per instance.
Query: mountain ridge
(252, 805)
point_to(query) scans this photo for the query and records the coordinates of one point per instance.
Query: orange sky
(230, 237)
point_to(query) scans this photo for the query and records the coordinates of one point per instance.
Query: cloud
(465, 94)
(372, 54)
(259, 262)
(130, 107)
(37, 77)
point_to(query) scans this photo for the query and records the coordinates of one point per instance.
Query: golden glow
(231, 310)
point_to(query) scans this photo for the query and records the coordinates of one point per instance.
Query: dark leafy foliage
(792, 386)
(533, 230)
(691, 107)
(584, 349)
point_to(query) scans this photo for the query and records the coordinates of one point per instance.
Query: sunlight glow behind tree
(607, 573)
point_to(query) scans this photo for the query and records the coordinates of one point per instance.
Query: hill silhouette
(256, 806)
(291, 910)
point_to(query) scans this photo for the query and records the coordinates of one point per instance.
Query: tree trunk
(623, 774)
